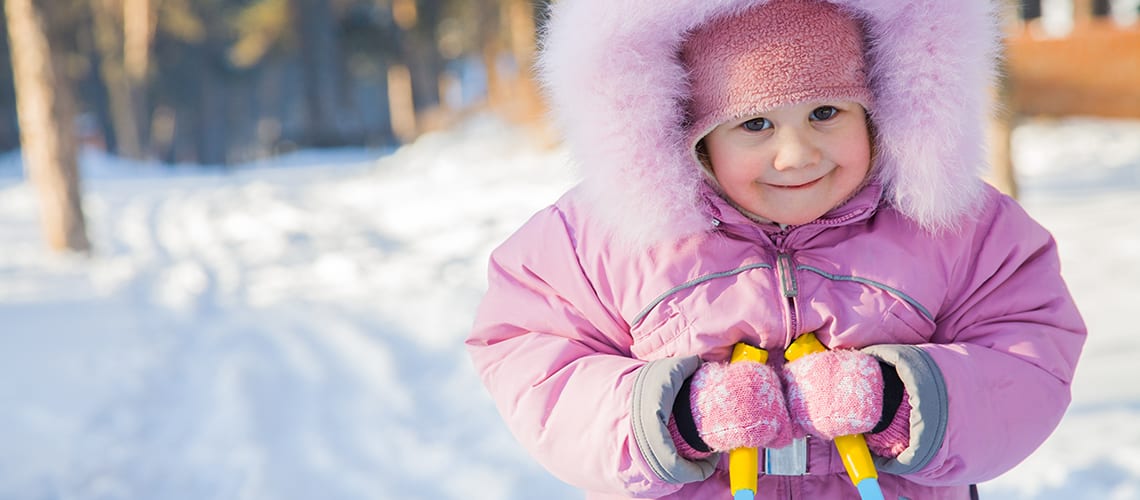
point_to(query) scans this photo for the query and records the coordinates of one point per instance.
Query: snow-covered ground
(293, 330)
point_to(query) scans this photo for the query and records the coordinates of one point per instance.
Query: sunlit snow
(293, 329)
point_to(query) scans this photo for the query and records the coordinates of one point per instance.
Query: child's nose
(795, 151)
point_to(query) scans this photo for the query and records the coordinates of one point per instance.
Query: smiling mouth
(797, 186)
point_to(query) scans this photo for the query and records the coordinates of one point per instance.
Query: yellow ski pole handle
(744, 463)
(852, 449)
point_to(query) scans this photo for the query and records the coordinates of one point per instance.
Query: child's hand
(840, 393)
(835, 393)
(739, 405)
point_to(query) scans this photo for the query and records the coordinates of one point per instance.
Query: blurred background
(229, 81)
(223, 82)
(242, 241)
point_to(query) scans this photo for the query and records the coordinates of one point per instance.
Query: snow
(263, 332)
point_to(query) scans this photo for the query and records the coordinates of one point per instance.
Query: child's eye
(824, 113)
(757, 124)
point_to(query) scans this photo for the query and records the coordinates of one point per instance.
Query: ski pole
(744, 463)
(852, 449)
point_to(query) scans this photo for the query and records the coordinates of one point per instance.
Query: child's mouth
(797, 186)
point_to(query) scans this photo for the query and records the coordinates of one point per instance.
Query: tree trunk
(210, 118)
(320, 56)
(489, 30)
(138, 34)
(418, 21)
(9, 132)
(46, 131)
(1002, 174)
(528, 102)
(401, 108)
(123, 94)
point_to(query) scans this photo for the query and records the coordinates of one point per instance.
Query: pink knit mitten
(835, 393)
(738, 405)
(891, 441)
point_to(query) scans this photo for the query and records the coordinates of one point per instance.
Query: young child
(757, 170)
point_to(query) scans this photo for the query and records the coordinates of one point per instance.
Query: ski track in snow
(296, 333)
(267, 334)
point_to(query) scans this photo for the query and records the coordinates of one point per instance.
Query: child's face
(795, 163)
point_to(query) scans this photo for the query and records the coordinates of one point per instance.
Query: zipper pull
(787, 269)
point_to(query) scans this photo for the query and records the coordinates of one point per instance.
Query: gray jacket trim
(929, 405)
(689, 284)
(654, 391)
(873, 284)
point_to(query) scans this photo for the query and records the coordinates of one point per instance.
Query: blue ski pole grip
(869, 489)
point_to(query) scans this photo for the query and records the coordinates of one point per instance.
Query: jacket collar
(727, 219)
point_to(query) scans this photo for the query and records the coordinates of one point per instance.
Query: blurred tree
(260, 28)
(413, 79)
(521, 32)
(316, 29)
(203, 104)
(371, 47)
(45, 117)
(1000, 133)
(502, 34)
(190, 46)
(123, 33)
(312, 36)
(222, 81)
(9, 135)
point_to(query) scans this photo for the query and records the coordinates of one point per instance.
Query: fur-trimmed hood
(616, 89)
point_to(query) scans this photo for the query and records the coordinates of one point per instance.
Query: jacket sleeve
(996, 382)
(556, 360)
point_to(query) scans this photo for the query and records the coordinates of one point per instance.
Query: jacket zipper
(790, 290)
(786, 270)
(786, 267)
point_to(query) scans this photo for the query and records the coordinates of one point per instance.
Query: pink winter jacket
(584, 348)
(601, 305)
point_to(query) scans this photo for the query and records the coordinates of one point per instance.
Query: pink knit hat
(778, 53)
